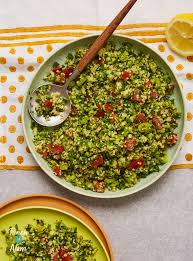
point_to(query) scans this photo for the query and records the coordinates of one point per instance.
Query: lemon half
(179, 34)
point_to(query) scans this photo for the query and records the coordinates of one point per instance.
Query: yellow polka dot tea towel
(25, 46)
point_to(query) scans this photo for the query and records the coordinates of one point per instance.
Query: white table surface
(153, 225)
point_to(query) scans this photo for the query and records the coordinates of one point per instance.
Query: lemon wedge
(179, 34)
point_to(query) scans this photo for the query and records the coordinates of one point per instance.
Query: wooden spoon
(86, 59)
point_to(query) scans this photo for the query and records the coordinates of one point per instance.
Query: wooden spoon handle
(102, 39)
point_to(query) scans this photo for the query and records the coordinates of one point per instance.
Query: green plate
(59, 57)
(25, 216)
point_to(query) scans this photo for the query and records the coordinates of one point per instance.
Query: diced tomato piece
(67, 258)
(97, 162)
(157, 123)
(140, 118)
(153, 95)
(108, 107)
(48, 104)
(129, 144)
(50, 146)
(148, 84)
(136, 164)
(57, 149)
(99, 105)
(100, 114)
(99, 186)
(57, 69)
(57, 171)
(68, 71)
(55, 257)
(61, 252)
(173, 139)
(100, 61)
(126, 75)
(45, 154)
(136, 96)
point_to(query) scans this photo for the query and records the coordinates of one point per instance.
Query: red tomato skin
(57, 69)
(61, 252)
(68, 71)
(67, 258)
(100, 114)
(99, 105)
(148, 84)
(97, 162)
(157, 123)
(55, 257)
(48, 104)
(45, 154)
(136, 164)
(173, 139)
(57, 171)
(126, 75)
(57, 149)
(129, 144)
(100, 61)
(141, 118)
(154, 95)
(108, 107)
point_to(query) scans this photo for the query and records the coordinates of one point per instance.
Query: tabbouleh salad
(41, 242)
(49, 104)
(123, 119)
